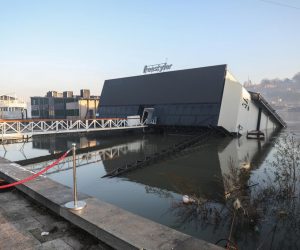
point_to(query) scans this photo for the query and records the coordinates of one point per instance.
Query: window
(35, 113)
(58, 100)
(59, 113)
(73, 112)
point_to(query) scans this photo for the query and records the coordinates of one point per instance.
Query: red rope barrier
(30, 178)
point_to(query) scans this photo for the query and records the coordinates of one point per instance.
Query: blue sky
(70, 44)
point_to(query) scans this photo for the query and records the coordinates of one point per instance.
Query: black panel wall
(185, 97)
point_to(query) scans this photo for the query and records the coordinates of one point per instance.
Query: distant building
(65, 105)
(208, 96)
(12, 108)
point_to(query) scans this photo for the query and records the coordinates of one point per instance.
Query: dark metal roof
(198, 85)
(261, 102)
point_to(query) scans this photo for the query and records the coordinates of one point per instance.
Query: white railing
(27, 128)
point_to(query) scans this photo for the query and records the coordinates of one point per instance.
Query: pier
(18, 129)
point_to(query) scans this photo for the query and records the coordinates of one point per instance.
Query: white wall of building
(230, 103)
(240, 152)
(263, 121)
(252, 117)
(247, 114)
(84, 107)
(72, 105)
(238, 113)
(266, 123)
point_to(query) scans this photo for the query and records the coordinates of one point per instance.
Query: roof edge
(165, 72)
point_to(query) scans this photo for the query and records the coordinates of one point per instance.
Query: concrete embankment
(26, 225)
(112, 225)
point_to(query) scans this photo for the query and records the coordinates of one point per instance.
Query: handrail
(50, 120)
(19, 128)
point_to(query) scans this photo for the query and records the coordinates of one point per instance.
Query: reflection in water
(159, 192)
(56, 144)
(214, 174)
(273, 206)
(20, 151)
(105, 154)
(199, 172)
(51, 144)
(259, 215)
(194, 172)
(206, 173)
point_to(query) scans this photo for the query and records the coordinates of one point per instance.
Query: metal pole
(74, 175)
(75, 204)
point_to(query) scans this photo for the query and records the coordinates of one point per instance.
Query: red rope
(30, 178)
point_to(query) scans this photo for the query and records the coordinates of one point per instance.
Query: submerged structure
(207, 96)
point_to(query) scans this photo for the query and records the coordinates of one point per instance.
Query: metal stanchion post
(75, 205)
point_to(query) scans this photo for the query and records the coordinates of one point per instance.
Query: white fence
(13, 129)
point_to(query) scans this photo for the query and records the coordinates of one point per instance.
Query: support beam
(258, 119)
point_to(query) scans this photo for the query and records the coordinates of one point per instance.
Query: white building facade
(242, 111)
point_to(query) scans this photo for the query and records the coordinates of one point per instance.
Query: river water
(203, 172)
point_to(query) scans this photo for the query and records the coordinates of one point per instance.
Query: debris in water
(186, 199)
(237, 204)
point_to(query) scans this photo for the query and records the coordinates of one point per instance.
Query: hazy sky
(69, 44)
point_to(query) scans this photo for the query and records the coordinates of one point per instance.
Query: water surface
(156, 191)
